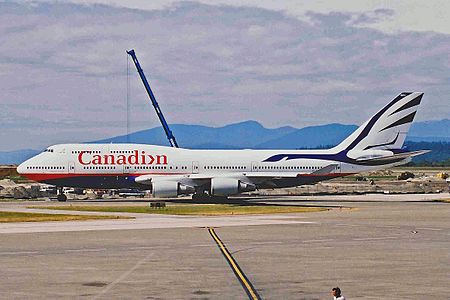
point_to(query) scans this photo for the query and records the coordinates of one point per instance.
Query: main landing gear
(60, 196)
(203, 197)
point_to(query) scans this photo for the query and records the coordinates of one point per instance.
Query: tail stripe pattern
(385, 144)
(412, 103)
(374, 119)
(408, 119)
(385, 131)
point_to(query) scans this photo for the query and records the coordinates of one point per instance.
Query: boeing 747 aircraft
(170, 172)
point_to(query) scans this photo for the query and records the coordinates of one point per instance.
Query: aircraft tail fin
(388, 128)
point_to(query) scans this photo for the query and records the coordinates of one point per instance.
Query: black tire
(209, 199)
(198, 197)
(61, 198)
(219, 199)
(201, 197)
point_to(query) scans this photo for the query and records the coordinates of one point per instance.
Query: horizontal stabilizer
(397, 156)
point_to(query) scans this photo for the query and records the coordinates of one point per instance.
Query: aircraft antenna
(164, 124)
(128, 100)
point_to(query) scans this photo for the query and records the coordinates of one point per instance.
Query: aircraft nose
(21, 168)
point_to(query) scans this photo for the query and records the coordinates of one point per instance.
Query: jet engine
(229, 186)
(170, 189)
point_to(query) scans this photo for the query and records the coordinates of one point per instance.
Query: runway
(148, 221)
(392, 246)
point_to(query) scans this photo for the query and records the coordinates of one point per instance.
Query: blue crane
(167, 130)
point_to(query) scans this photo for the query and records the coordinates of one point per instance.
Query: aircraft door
(71, 167)
(126, 169)
(195, 167)
(254, 166)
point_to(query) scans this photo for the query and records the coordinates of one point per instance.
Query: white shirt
(339, 298)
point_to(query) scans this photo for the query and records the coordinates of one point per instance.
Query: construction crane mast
(164, 124)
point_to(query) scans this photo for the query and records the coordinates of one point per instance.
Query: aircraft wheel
(210, 199)
(219, 199)
(62, 198)
(200, 197)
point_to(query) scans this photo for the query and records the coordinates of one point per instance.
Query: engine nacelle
(229, 186)
(170, 189)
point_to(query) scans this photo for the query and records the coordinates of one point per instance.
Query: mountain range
(251, 134)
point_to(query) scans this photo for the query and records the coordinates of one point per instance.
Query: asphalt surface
(394, 247)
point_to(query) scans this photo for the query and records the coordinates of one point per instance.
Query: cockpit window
(48, 150)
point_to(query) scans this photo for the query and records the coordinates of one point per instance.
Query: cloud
(390, 17)
(372, 17)
(63, 67)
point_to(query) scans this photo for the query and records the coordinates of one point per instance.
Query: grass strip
(9, 217)
(442, 200)
(192, 209)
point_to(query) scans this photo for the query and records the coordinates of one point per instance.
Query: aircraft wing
(322, 171)
(188, 179)
(149, 178)
(326, 170)
(274, 179)
(252, 177)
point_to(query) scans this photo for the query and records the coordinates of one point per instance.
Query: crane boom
(164, 124)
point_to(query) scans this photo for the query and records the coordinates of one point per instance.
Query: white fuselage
(118, 165)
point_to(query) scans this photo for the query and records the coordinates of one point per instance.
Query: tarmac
(371, 246)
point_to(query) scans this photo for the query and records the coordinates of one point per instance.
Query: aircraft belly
(94, 182)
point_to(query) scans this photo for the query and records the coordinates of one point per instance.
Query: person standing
(337, 295)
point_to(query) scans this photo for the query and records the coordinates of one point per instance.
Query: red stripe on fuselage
(43, 176)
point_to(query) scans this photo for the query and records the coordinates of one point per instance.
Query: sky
(65, 76)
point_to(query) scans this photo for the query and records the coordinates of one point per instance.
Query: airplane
(170, 172)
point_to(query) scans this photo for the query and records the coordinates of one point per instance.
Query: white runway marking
(317, 241)
(199, 246)
(366, 225)
(86, 250)
(267, 243)
(149, 247)
(123, 276)
(376, 238)
(349, 225)
(18, 252)
(386, 226)
(426, 228)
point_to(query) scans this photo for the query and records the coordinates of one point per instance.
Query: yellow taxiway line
(246, 284)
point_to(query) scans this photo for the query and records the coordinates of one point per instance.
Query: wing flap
(326, 170)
